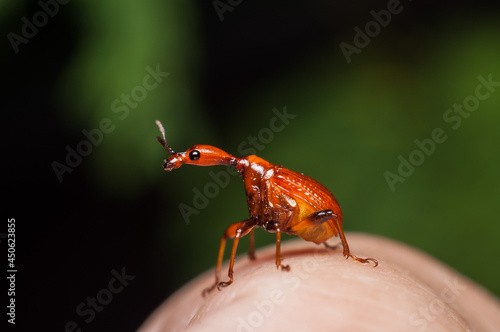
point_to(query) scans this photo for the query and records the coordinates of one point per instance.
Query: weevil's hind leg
(251, 251)
(278, 251)
(347, 252)
(234, 231)
(322, 216)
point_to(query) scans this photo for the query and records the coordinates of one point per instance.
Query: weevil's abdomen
(310, 196)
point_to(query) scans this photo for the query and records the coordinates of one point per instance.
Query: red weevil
(279, 200)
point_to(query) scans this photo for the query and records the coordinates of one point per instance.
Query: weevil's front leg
(217, 268)
(234, 231)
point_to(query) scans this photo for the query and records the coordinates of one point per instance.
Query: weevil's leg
(322, 216)
(241, 230)
(231, 263)
(251, 251)
(235, 231)
(347, 252)
(217, 268)
(278, 251)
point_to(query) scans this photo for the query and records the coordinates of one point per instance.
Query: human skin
(408, 291)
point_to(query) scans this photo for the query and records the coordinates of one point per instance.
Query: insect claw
(224, 284)
(374, 261)
(365, 260)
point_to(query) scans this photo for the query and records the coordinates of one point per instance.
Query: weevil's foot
(364, 260)
(330, 246)
(223, 284)
(285, 267)
(251, 256)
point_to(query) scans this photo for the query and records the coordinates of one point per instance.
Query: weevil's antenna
(163, 141)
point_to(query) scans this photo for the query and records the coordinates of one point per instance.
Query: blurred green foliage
(353, 120)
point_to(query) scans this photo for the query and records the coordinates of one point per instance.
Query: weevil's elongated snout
(174, 161)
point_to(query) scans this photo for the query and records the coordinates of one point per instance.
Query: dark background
(118, 209)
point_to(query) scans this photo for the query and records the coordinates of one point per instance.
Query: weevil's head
(200, 155)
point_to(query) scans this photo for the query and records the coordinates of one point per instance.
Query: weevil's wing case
(307, 196)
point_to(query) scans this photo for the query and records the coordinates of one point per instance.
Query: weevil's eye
(194, 155)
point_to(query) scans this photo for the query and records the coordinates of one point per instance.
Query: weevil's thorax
(254, 171)
(253, 168)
